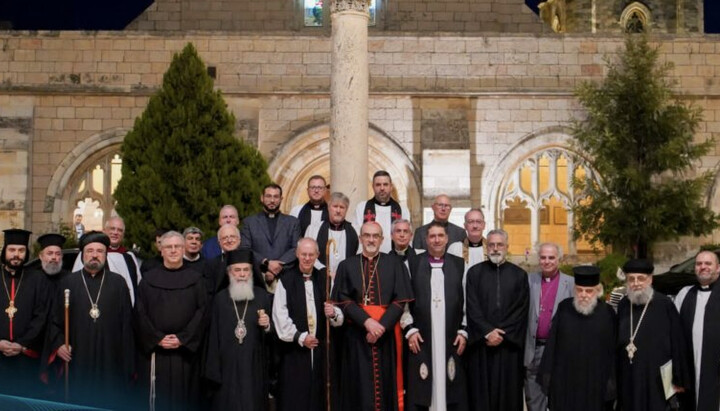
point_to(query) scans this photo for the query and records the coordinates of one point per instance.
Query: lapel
(264, 226)
(535, 284)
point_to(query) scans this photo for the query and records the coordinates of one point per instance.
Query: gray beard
(51, 268)
(497, 258)
(585, 309)
(640, 297)
(241, 290)
(94, 266)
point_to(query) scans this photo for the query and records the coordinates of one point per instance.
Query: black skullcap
(94, 237)
(46, 240)
(239, 255)
(638, 266)
(17, 236)
(586, 275)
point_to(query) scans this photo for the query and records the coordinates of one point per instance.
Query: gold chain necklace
(240, 329)
(94, 310)
(366, 291)
(11, 310)
(631, 348)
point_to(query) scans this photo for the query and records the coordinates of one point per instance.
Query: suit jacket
(566, 288)
(255, 235)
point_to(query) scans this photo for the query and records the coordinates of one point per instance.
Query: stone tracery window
(635, 18)
(537, 198)
(92, 186)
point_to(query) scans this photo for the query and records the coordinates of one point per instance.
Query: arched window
(635, 18)
(92, 186)
(537, 198)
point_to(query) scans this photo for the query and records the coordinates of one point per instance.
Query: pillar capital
(362, 6)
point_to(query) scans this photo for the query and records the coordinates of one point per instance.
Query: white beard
(640, 297)
(241, 290)
(51, 268)
(586, 309)
(497, 258)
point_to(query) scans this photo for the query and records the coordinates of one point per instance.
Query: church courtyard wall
(448, 114)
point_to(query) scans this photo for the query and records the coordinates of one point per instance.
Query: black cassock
(419, 389)
(238, 372)
(171, 302)
(577, 371)
(389, 287)
(19, 374)
(659, 339)
(497, 297)
(301, 377)
(709, 389)
(103, 350)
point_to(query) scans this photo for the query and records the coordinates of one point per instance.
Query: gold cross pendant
(11, 310)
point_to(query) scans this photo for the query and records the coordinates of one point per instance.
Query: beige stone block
(65, 112)
(92, 125)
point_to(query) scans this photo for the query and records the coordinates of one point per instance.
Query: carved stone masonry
(362, 6)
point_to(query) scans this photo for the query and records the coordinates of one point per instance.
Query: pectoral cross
(437, 300)
(631, 349)
(366, 300)
(11, 310)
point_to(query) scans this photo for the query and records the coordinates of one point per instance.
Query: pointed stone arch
(548, 145)
(57, 196)
(308, 153)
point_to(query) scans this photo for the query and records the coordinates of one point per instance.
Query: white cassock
(337, 252)
(697, 329)
(315, 215)
(382, 217)
(116, 263)
(284, 326)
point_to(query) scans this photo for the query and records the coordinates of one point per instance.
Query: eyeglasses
(474, 221)
(374, 236)
(229, 238)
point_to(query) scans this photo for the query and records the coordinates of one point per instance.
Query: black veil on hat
(94, 237)
(46, 240)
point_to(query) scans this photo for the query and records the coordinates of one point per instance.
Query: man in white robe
(471, 249)
(436, 378)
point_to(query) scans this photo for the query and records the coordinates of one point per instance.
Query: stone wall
(424, 16)
(454, 113)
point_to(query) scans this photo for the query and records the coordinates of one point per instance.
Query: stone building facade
(483, 117)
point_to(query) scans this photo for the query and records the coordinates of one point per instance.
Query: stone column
(349, 100)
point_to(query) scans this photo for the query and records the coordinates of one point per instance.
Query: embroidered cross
(395, 216)
(369, 216)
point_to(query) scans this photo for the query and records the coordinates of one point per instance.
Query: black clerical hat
(638, 266)
(586, 275)
(17, 236)
(46, 240)
(240, 255)
(94, 237)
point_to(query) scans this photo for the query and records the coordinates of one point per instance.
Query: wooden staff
(67, 339)
(328, 281)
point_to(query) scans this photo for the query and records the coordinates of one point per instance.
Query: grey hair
(192, 230)
(400, 221)
(338, 196)
(234, 227)
(310, 239)
(115, 217)
(171, 234)
(550, 244)
(474, 210)
(499, 231)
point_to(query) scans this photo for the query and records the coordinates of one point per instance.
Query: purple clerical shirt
(548, 292)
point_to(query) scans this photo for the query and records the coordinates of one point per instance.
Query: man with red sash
(372, 289)
(23, 301)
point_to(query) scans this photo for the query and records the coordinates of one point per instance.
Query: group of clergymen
(349, 317)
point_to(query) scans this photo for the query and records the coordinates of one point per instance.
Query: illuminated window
(635, 18)
(537, 199)
(92, 188)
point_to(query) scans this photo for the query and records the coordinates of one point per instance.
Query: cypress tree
(641, 141)
(181, 162)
